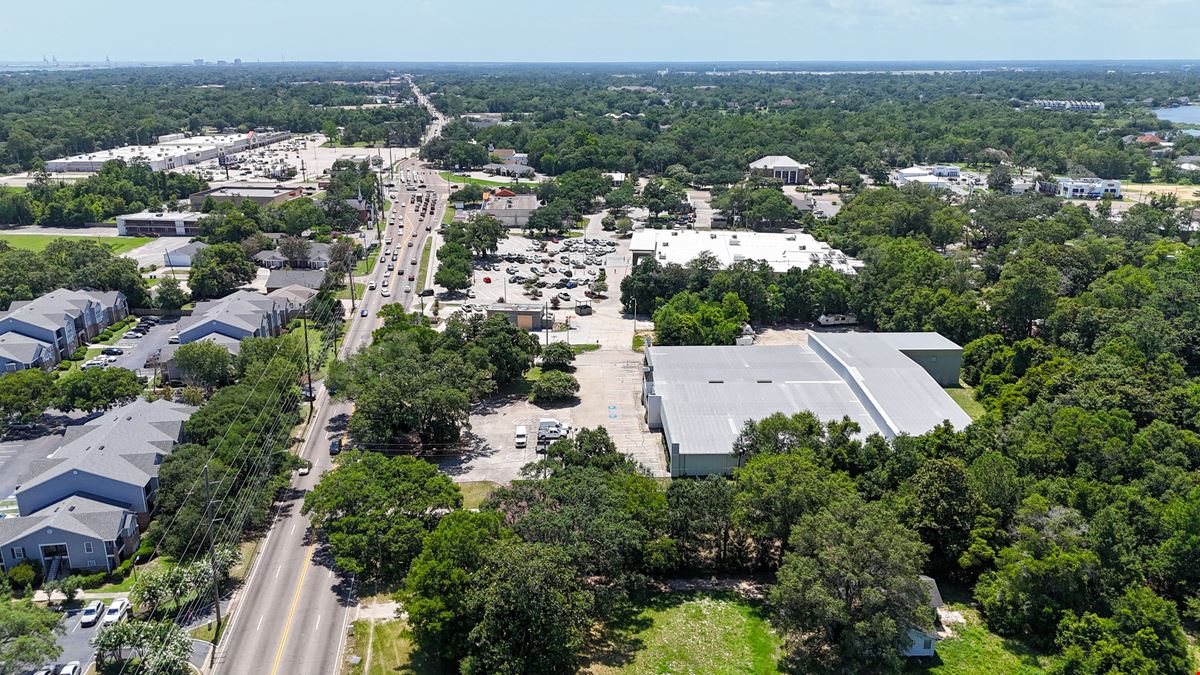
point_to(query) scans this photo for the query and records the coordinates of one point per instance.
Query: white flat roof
(165, 216)
(782, 251)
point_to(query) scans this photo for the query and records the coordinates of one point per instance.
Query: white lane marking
(315, 626)
(260, 620)
(293, 527)
(278, 570)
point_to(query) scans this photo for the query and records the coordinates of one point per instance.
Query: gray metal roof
(708, 393)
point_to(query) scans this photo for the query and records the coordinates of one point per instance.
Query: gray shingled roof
(125, 444)
(79, 513)
(19, 348)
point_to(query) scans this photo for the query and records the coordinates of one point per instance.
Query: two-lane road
(291, 617)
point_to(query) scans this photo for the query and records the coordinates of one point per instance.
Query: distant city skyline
(603, 31)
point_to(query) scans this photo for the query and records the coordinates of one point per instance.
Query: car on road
(304, 470)
(391, 267)
(117, 612)
(371, 286)
(112, 351)
(486, 280)
(363, 312)
(410, 243)
(412, 262)
(92, 613)
(386, 293)
(412, 277)
(72, 668)
(336, 446)
(408, 289)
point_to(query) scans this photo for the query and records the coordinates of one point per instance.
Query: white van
(521, 437)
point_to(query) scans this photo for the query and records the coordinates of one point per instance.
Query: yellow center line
(287, 627)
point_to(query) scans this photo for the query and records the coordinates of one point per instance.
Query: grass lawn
(366, 265)
(475, 493)
(359, 289)
(448, 216)
(423, 270)
(38, 242)
(688, 633)
(449, 177)
(639, 343)
(91, 353)
(586, 347)
(964, 396)
(974, 650)
(391, 650)
(209, 631)
(118, 329)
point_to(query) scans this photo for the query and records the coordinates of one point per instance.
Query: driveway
(153, 252)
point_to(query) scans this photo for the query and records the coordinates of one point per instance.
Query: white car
(407, 289)
(470, 292)
(386, 293)
(131, 335)
(92, 613)
(72, 668)
(371, 286)
(117, 612)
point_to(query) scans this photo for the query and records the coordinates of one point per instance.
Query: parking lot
(136, 351)
(610, 377)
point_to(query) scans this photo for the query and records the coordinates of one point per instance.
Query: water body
(1184, 114)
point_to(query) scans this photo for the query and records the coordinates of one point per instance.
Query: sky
(599, 30)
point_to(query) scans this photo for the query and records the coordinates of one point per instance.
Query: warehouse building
(782, 251)
(888, 383)
(169, 154)
(261, 194)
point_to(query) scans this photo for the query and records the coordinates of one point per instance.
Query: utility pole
(312, 395)
(212, 559)
(350, 279)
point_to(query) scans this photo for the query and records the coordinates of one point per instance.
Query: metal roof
(709, 393)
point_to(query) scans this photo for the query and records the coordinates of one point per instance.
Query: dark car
(363, 312)
(426, 293)
(112, 351)
(335, 446)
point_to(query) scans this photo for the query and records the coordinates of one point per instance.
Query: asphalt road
(292, 615)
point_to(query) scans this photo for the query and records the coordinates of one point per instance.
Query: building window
(87, 547)
(18, 552)
(928, 643)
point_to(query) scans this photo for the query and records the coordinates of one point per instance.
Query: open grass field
(475, 493)
(448, 215)
(449, 177)
(964, 396)
(688, 633)
(975, 650)
(391, 651)
(38, 242)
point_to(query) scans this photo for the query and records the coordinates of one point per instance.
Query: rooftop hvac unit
(666, 244)
(735, 242)
(712, 236)
(791, 238)
(674, 233)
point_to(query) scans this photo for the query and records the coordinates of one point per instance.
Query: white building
(1077, 106)
(1088, 188)
(946, 171)
(782, 167)
(782, 251)
(176, 152)
(512, 211)
(159, 223)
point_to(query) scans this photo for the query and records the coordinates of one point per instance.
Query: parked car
(371, 286)
(91, 613)
(564, 296)
(426, 293)
(336, 446)
(112, 351)
(132, 335)
(173, 340)
(521, 437)
(117, 612)
(72, 668)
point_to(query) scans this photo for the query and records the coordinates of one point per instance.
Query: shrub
(91, 581)
(554, 386)
(22, 576)
(79, 353)
(64, 365)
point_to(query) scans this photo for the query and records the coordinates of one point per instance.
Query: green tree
(97, 389)
(532, 611)
(169, 294)
(204, 362)
(28, 635)
(435, 593)
(943, 510)
(24, 395)
(218, 270)
(1142, 636)
(1026, 292)
(1000, 178)
(294, 249)
(557, 356)
(375, 511)
(554, 386)
(848, 591)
